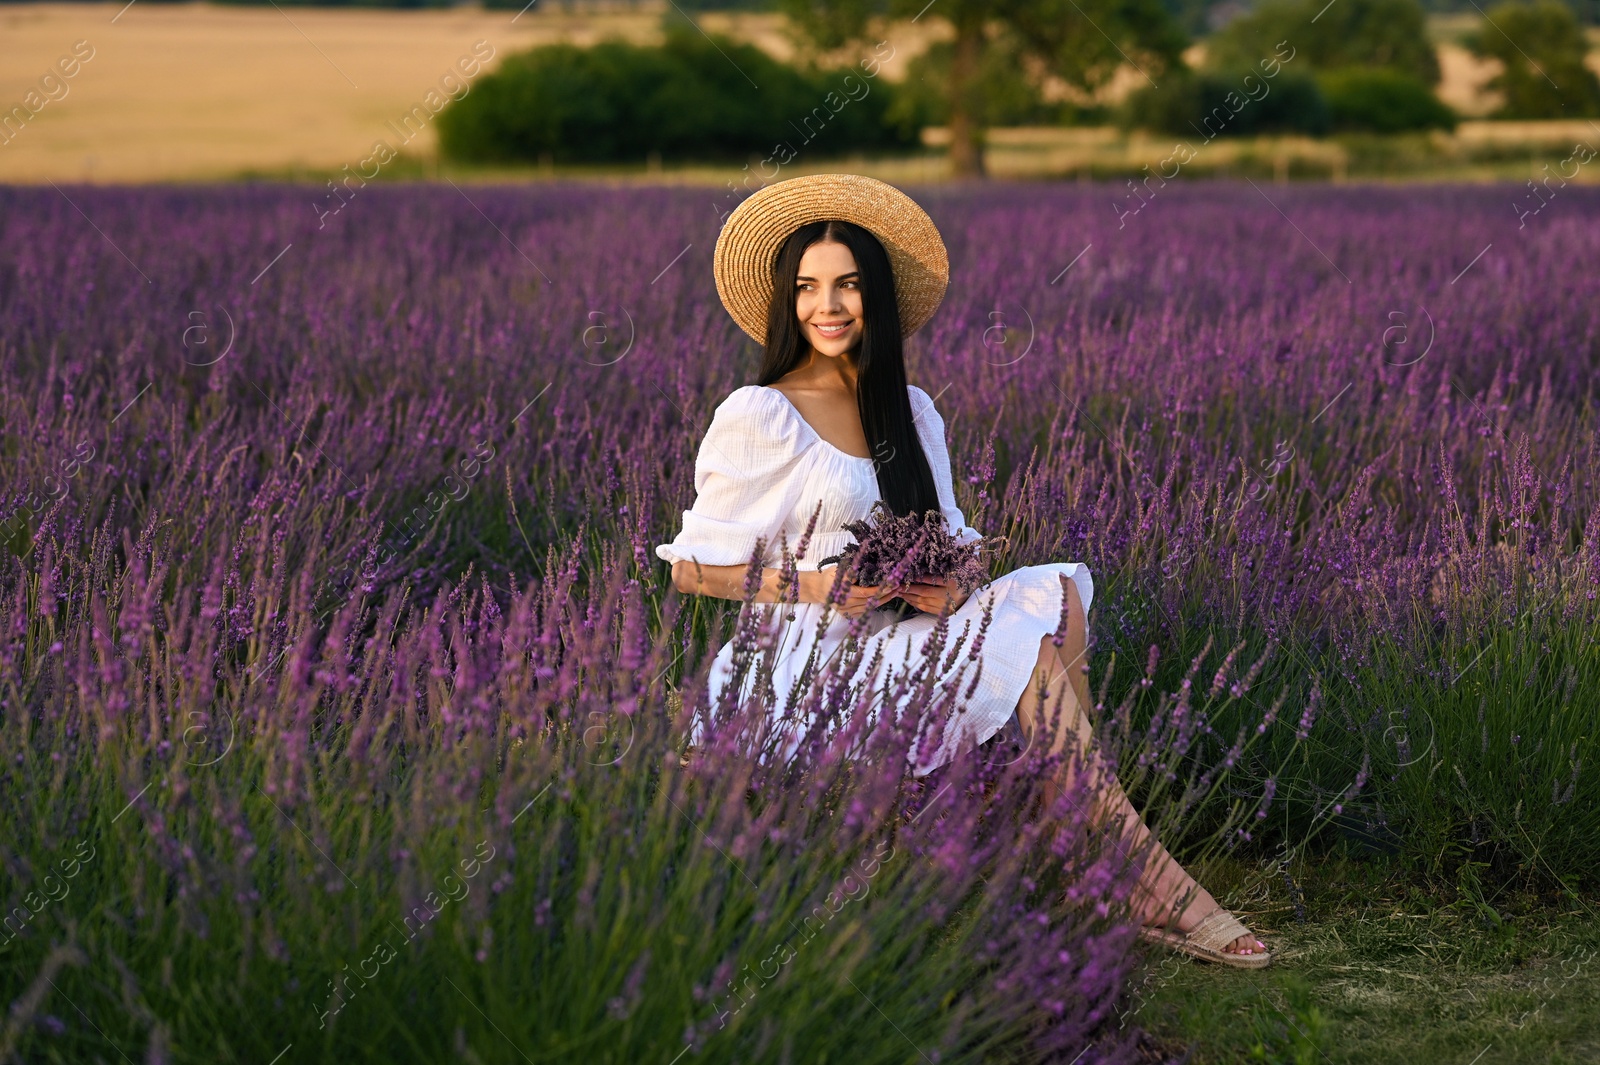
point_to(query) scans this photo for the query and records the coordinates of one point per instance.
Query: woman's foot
(1200, 907)
(1065, 692)
(1164, 883)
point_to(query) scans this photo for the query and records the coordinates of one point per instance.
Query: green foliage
(1508, 787)
(1351, 33)
(1542, 48)
(1086, 43)
(1004, 93)
(16, 533)
(1293, 1033)
(691, 97)
(1235, 103)
(1380, 100)
(1195, 17)
(1083, 42)
(718, 5)
(1372, 61)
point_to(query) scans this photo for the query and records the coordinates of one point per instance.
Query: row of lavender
(329, 578)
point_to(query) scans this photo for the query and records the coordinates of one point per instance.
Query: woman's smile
(827, 298)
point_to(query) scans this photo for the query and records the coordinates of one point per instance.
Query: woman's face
(828, 299)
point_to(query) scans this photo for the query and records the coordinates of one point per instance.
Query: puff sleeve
(930, 430)
(746, 482)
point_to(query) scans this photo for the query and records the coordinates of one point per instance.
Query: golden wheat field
(196, 91)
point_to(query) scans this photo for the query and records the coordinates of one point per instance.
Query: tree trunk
(966, 104)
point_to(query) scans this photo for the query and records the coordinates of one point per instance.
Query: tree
(1009, 92)
(1387, 34)
(1082, 41)
(1542, 47)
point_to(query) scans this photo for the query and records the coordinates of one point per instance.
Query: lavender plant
(355, 753)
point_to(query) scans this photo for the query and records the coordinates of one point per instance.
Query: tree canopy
(1541, 47)
(1083, 42)
(1389, 34)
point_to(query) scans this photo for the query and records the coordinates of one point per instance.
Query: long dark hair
(905, 481)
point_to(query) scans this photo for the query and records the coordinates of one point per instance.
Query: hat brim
(754, 232)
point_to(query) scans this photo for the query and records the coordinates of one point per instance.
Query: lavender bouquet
(912, 547)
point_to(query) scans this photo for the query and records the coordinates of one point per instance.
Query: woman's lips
(832, 329)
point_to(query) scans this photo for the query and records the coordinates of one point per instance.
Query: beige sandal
(1206, 940)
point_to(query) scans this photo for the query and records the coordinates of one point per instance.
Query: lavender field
(335, 659)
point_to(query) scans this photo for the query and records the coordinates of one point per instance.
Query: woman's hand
(858, 599)
(932, 597)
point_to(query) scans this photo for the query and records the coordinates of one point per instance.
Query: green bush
(690, 97)
(1351, 33)
(1544, 75)
(1382, 101)
(1216, 103)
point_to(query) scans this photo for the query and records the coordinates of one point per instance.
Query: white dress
(761, 471)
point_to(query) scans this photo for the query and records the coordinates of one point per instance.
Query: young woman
(829, 272)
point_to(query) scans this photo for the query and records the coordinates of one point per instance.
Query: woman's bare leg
(1165, 887)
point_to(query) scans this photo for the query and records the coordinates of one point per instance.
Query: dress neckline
(801, 418)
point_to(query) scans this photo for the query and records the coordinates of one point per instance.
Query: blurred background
(707, 92)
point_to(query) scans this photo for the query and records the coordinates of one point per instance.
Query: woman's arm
(727, 582)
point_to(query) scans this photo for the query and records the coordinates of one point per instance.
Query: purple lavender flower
(912, 547)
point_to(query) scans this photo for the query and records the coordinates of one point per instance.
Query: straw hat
(748, 244)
